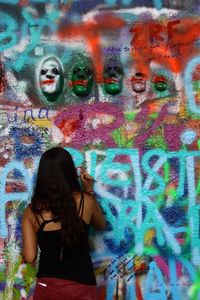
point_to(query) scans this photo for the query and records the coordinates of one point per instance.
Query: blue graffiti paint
(195, 234)
(154, 272)
(111, 2)
(8, 38)
(113, 209)
(151, 222)
(9, 1)
(130, 282)
(152, 218)
(157, 3)
(188, 267)
(111, 286)
(152, 172)
(91, 158)
(174, 215)
(188, 136)
(119, 224)
(22, 150)
(173, 279)
(36, 28)
(5, 197)
(77, 156)
(109, 165)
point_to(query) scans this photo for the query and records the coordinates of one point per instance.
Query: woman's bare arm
(29, 251)
(98, 220)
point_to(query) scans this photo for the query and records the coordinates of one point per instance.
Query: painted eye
(138, 74)
(43, 72)
(108, 69)
(88, 71)
(76, 71)
(55, 71)
(118, 70)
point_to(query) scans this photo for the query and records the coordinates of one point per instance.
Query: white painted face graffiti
(138, 83)
(50, 76)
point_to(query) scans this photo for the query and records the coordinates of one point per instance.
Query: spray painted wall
(117, 83)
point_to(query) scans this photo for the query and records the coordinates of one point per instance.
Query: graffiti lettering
(8, 37)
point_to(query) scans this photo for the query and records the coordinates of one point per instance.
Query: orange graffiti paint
(91, 31)
(171, 43)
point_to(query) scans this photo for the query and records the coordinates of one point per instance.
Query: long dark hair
(56, 181)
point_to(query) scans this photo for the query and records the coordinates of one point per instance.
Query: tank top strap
(81, 206)
(43, 224)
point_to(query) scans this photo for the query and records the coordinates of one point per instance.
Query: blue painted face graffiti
(113, 78)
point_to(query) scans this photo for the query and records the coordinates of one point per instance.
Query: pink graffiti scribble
(141, 138)
(79, 122)
(172, 136)
(163, 265)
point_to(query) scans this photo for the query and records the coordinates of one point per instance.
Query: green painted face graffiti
(113, 77)
(160, 83)
(82, 80)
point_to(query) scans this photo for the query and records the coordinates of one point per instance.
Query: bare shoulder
(89, 199)
(28, 214)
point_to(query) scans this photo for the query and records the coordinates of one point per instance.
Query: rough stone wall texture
(117, 82)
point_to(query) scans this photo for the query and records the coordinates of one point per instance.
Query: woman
(58, 220)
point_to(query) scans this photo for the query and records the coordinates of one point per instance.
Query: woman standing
(58, 220)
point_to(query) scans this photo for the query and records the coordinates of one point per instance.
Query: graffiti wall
(117, 83)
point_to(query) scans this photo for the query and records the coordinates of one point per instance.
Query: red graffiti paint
(2, 78)
(170, 28)
(69, 126)
(155, 31)
(138, 289)
(170, 44)
(23, 3)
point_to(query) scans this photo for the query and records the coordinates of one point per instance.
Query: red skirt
(61, 289)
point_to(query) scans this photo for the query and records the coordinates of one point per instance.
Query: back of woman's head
(56, 182)
(56, 169)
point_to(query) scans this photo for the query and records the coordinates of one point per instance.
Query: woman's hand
(87, 181)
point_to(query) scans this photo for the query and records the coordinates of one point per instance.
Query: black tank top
(71, 263)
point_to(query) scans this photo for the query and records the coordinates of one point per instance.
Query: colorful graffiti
(117, 83)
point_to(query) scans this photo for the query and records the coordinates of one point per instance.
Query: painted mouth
(110, 80)
(136, 80)
(47, 82)
(81, 82)
(159, 79)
